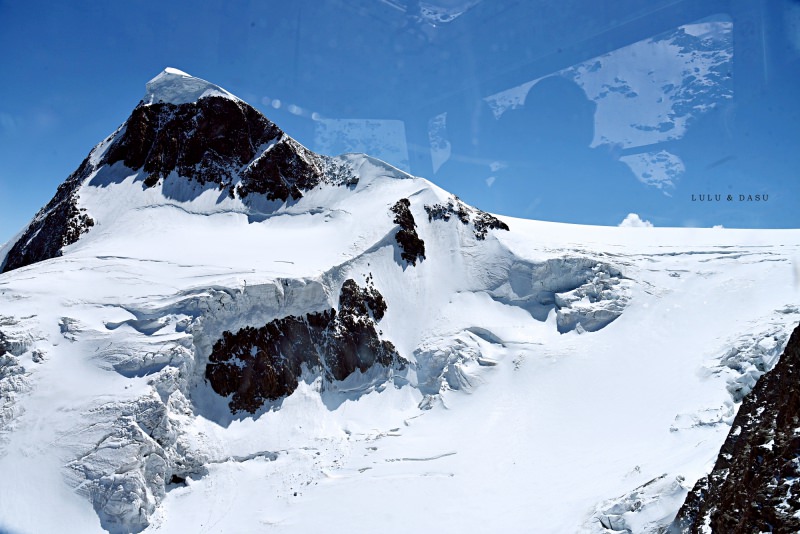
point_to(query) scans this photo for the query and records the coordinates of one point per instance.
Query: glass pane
(567, 111)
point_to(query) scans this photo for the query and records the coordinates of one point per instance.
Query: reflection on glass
(574, 125)
(686, 98)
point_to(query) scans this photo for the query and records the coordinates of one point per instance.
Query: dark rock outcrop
(755, 483)
(58, 224)
(443, 212)
(412, 246)
(205, 140)
(484, 222)
(481, 221)
(256, 365)
(215, 140)
(285, 171)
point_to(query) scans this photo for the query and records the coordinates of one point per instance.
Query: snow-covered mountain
(212, 329)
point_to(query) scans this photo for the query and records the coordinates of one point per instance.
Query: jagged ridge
(60, 223)
(481, 221)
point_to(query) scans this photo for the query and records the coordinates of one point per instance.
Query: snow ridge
(174, 86)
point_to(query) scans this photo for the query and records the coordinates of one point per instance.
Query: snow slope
(176, 87)
(561, 378)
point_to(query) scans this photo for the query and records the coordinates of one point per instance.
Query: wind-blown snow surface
(174, 86)
(500, 423)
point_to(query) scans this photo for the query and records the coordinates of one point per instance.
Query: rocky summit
(216, 140)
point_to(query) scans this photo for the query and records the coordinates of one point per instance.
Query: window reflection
(644, 94)
(383, 139)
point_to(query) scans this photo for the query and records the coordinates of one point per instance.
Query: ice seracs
(173, 86)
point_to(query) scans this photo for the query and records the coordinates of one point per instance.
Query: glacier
(558, 378)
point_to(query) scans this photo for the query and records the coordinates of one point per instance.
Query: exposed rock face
(58, 224)
(754, 484)
(256, 365)
(443, 212)
(481, 221)
(413, 247)
(215, 140)
(202, 140)
(285, 171)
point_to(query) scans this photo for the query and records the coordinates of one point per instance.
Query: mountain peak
(174, 86)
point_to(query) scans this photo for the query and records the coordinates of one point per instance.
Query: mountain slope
(752, 485)
(249, 334)
(214, 141)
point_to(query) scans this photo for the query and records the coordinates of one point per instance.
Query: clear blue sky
(643, 103)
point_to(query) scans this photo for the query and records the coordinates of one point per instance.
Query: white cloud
(489, 181)
(718, 227)
(634, 221)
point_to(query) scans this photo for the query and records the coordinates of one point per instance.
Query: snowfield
(560, 378)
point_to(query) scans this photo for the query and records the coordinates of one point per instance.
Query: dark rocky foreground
(755, 483)
(257, 365)
(413, 247)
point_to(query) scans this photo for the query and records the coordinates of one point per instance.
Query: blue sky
(578, 116)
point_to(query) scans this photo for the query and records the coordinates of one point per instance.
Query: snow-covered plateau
(212, 329)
